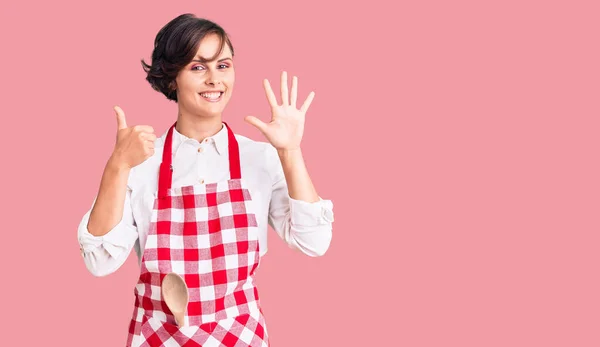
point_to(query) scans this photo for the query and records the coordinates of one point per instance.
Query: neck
(198, 128)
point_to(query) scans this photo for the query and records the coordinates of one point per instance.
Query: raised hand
(134, 144)
(286, 127)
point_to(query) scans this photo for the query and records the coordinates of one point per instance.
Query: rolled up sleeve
(306, 226)
(103, 255)
(311, 214)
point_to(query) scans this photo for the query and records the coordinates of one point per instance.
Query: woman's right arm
(107, 232)
(108, 208)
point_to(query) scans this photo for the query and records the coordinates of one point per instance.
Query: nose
(212, 79)
(213, 82)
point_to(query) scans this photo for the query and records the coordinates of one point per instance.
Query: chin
(210, 112)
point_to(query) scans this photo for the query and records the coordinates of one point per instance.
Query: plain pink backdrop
(458, 141)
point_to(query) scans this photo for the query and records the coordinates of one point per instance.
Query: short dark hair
(175, 46)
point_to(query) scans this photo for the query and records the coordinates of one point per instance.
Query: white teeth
(211, 95)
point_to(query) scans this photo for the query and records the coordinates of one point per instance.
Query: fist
(134, 144)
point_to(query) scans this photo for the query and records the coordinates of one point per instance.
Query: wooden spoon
(176, 296)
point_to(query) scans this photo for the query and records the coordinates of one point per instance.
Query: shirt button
(200, 150)
(201, 180)
(206, 140)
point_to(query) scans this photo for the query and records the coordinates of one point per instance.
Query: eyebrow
(204, 60)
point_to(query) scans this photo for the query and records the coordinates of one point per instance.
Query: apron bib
(207, 234)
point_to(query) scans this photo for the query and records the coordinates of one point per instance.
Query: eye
(200, 66)
(223, 66)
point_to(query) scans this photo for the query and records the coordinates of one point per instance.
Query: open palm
(286, 127)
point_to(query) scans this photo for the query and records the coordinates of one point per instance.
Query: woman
(198, 200)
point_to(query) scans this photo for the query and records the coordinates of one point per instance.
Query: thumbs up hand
(134, 144)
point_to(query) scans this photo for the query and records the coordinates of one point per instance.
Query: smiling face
(205, 87)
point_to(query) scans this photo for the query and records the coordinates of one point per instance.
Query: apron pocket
(157, 332)
(248, 327)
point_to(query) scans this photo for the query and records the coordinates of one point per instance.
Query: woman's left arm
(300, 186)
(297, 213)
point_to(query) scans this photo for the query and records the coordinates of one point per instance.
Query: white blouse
(304, 226)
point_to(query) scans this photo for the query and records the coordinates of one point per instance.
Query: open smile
(212, 96)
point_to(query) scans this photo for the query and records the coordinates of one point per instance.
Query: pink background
(458, 141)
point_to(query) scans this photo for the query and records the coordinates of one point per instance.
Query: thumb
(260, 125)
(121, 123)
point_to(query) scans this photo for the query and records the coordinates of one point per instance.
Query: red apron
(206, 233)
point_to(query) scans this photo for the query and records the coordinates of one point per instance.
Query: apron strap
(235, 171)
(165, 174)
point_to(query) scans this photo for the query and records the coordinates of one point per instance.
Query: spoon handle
(179, 317)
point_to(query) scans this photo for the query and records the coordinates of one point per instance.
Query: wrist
(115, 162)
(290, 156)
(288, 151)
